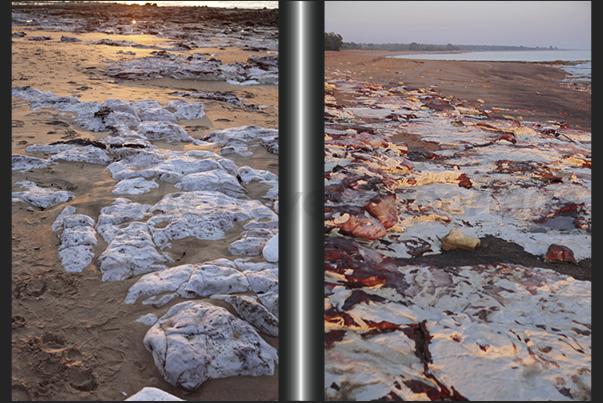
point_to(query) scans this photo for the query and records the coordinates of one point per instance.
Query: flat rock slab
(235, 139)
(516, 180)
(25, 163)
(190, 281)
(195, 341)
(70, 152)
(257, 70)
(147, 117)
(202, 214)
(416, 331)
(77, 239)
(169, 167)
(215, 180)
(41, 198)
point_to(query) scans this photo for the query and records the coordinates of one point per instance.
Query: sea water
(506, 56)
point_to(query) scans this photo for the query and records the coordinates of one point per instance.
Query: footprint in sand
(56, 359)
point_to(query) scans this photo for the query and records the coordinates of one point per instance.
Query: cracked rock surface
(409, 318)
(195, 341)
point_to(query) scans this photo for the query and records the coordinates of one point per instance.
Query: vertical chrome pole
(301, 186)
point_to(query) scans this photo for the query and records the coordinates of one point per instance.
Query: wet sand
(515, 89)
(73, 337)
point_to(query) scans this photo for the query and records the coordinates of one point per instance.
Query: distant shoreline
(531, 90)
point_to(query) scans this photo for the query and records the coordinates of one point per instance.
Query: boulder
(77, 240)
(559, 253)
(151, 394)
(456, 239)
(195, 341)
(253, 312)
(270, 251)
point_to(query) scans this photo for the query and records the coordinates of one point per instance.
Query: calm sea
(506, 56)
(221, 4)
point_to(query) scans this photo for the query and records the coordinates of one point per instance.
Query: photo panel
(457, 192)
(145, 201)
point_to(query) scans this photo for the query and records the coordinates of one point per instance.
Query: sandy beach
(73, 336)
(516, 89)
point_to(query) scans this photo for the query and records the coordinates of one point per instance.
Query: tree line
(335, 41)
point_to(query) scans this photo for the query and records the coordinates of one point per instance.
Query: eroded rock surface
(195, 341)
(416, 331)
(40, 197)
(77, 239)
(402, 331)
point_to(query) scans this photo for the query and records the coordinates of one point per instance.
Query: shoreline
(529, 91)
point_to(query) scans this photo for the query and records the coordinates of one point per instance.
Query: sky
(562, 24)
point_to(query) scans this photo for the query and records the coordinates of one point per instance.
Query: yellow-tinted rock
(458, 240)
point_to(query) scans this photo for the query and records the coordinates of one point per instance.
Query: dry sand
(516, 89)
(73, 336)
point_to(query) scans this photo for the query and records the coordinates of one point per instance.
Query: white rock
(270, 301)
(157, 115)
(243, 133)
(191, 281)
(58, 223)
(251, 243)
(77, 240)
(215, 180)
(76, 258)
(163, 131)
(168, 166)
(247, 174)
(151, 394)
(263, 281)
(78, 235)
(202, 214)
(119, 105)
(244, 265)
(135, 186)
(270, 251)
(130, 252)
(42, 198)
(195, 341)
(252, 312)
(89, 153)
(146, 105)
(148, 319)
(186, 110)
(25, 162)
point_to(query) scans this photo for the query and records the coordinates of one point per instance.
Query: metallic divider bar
(301, 204)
